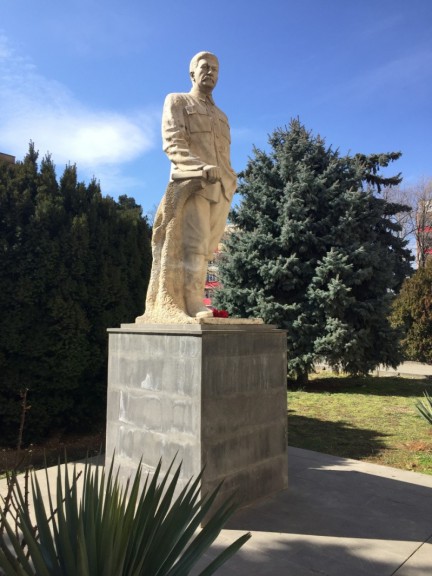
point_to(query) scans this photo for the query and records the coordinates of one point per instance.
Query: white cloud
(72, 135)
(35, 108)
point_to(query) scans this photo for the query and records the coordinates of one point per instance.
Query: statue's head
(204, 71)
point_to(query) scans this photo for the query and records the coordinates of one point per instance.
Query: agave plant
(104, 529)
(425, 407)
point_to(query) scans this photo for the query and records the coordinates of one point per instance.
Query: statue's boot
(195, 274)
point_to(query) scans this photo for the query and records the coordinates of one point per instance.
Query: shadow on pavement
(338, 517)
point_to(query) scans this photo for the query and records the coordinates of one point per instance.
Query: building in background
(212, 279)
(424, 232)
(7, 158)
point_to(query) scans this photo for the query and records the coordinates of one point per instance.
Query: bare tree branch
(416, 224)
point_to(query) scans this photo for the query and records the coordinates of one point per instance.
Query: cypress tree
(73, 263)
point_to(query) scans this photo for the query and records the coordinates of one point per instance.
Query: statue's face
(206, 73)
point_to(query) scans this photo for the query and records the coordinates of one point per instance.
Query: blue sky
(86, 80)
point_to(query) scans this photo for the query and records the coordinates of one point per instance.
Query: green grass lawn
(365, 418)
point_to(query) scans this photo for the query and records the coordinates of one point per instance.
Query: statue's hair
(194, 62)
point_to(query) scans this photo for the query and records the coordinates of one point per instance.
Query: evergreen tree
(412, 312)
(73, 263)
(314, 251)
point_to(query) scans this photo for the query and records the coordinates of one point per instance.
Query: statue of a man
(192, 215)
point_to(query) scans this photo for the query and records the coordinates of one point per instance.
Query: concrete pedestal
(215, 395)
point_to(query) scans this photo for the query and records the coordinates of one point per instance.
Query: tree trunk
(302, 378)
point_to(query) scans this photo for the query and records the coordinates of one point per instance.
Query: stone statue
(192, 215)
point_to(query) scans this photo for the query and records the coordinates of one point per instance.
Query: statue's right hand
(213, 173)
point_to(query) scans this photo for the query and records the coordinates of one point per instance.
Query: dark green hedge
(72, 264)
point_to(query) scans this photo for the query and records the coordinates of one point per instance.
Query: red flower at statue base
(220, 313)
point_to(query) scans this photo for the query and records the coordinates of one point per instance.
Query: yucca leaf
(208, 534)
(23, 525)
(425, 407)
(82, 552)
(106, 529)
(225, 555)
(44, 537)
(7, 558)
(38, 560)
(130, 499)
(177, 534)
(65, 524)
(50, 501)
(87, 536)
(10, 566)
(170, 515)
(149, 517)
(112, 541)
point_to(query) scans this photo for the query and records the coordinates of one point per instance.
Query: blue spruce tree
(315, 251)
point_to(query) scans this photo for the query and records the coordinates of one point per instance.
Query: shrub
(112, 531)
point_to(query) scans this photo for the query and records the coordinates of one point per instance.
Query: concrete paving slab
(413, 369)
(339, 517)
(406, 369)
(419, 563)
(47, 481)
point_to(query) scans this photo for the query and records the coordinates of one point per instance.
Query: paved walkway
(406, 369)
(414, 369)
(339, 517)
